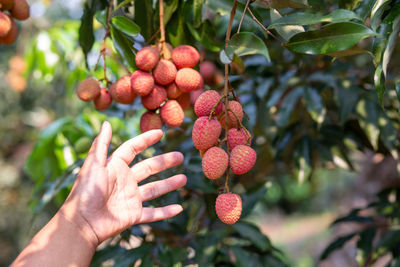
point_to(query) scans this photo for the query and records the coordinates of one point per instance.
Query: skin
(105, 200)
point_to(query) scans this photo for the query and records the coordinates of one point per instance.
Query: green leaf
(337, 244)
(364, 245)
(349, 4)
(391, 45)
(224, 58)
(285, 31)
(377, 11)
(170, 6)
(252, 196)
(205, 35)
(325, 41)
(86, 35)
(126, 25)
(124, 47)
(252, 232)
(288, 4)
(379, 82)
(346, 100)
(144, 17)
(176, 29)
(355, 50)
(364, 9)
(122, 4)
(194, 12)
(246, 43)
(101, 16)
(301, 18)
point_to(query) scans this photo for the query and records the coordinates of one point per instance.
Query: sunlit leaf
(246, 43)
(126, 25)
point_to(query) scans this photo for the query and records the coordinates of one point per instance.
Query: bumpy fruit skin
(6, 4)
(173, 91)
(20, 10)
(88, 89)
(194, 95)
(165, 72)
(208, 71)
(155, 98)
(142, 82)
(122, 92)
(5, 24)
(242, 159)
(232, 121)
(184, 100)
(172, 113)
(205, 133)
(205, 103)
(147, 58)
(215, 162)
(188, 80)
(103, 100)
(11, 36)
(150, 121)
(238, 137)
(228, 207)
(185, 56)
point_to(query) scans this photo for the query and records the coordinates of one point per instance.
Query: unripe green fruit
(83, 145)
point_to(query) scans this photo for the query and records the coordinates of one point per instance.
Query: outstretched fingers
(157, 214)
(99, 149)
(128, 150)
(155, 189)
(156, 164)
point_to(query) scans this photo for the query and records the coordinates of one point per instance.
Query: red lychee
(194, 95)
(12, 34)
(238, 137)
(20, 10)
(165, 72)
(208, 71)
(155, 98)
(228, 207)
(205, 103)
(188, 80)
(142, 82)
(184, 100)
(205, 133)
(150, 121)
(242, 159)
(173, 91)
(6, 4)
(103, 100)
(236, 107)
(88, 89)
(5, 24)
(147, 58)
(215, 162)
(185, 56)
(121, 91)
(172, 113)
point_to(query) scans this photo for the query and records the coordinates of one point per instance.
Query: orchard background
(319, 82)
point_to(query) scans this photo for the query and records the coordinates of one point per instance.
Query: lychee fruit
(236, 107)
(12, 34)
(215, 162)
(185, 56)
(150, 121)
(173, 91)
(207, 71)
(194, 95)
(20, 10)
(228, 207)
(188, 80)
(205, 133)
(103, 100)
(184, 100)
(238, 137)
(165, 72)
(6, 4)
(142, 82)
(5, 24)
(172, 113)
(155, 98)
(242, 159)
(121, 91)
(205, 103)
(16, 81)
(17, 64)
(147, 58)
(88, 89)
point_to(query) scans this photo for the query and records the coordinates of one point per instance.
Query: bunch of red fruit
(213, 116)
(17, 9)
(163, 85)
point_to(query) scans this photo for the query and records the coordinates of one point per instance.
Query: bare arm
(104, 200)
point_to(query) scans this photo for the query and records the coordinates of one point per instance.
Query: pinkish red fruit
(228, 207)
(173, 91)
(205, 103)
(238, 137)
(121, 91)
(147, 58)
(242, 159)
(236, 107)
(208, 71)
(142, 82)
(188, 80)
(172, 113)
(103, 100)
(215, 162)
(150, 121)
(88, 89)
(205, 133)
(185, 56)
(165, 72)
(184, 100)
(155, 98)
(194, 95)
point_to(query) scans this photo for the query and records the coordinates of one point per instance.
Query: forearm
(62, 242)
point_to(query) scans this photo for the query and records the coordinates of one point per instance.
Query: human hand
(106, 198)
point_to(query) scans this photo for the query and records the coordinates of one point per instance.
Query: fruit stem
(244, 13)
(263, 27)
(237, 119)
(215, 107)
(162, 28)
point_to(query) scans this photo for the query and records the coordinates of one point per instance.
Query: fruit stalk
(244, 13)
(162, 28)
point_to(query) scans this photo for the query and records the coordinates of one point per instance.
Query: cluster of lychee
(10, 10)
(163, 85)
(239, 157)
